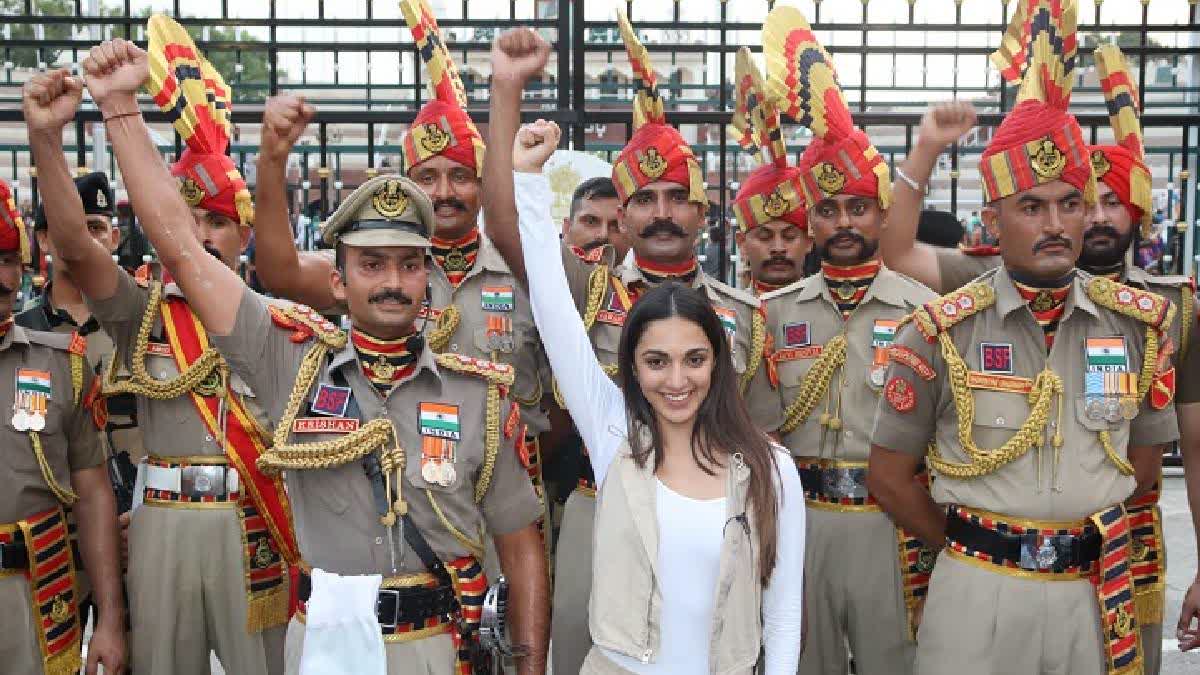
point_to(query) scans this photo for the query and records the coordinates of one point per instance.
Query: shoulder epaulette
(786, 290)
(305, 324)
(59, 341)
(1147, 307)
(939, 315)
(744, 297)
(495, 373)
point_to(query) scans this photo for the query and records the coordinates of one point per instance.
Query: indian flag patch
(498, 299)
(1106, 354)
(728, 319)
(33, 382)
(440, 420)
(884, 333)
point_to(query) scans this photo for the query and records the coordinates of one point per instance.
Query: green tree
(28, 57)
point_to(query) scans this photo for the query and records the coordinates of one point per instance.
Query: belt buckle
(386, 618)
(1043, 552)
(203, 480)
(844, 483)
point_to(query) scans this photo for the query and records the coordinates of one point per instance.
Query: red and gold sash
(52, 589)
(1113, 580)
(267, 599)
(1146, 552)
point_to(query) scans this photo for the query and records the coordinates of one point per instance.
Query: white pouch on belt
(342, 635)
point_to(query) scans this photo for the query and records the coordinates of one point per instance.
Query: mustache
(776, 260)
(1048, 241)
(390, 294)
(451, 202)
(213, 251)
(665, 226)
(1102, 230)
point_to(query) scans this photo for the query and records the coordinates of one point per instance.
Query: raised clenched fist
(534, 144)
(519, 55)
(115, 70)
(284, 120)
(944, 123)
(50, 100)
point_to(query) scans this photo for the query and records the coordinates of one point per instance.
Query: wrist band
(908, 181)
(120, 115)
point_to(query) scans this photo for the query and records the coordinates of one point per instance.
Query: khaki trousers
(853, 595)
(983, 622)
(569, 632)
(431, 656)
(187, 595)
(19, 651)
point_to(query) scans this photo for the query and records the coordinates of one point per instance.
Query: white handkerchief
(342, 635)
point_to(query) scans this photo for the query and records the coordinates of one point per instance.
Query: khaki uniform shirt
(337, 523)
(809, 309)
(44, 316)
(1180, 291)
(958, 269)
(173, 427)
(605, 331)
(1072, 484)
(520, 348)
(70, 440)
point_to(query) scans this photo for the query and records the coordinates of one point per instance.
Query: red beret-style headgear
(1122, 167)
(773, 190)
(13, 236)
(442, 126)
(195, 97)
(801, 76)
(656, 151)
(1039, 141)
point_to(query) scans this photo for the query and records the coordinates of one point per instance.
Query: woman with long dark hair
(699, 532)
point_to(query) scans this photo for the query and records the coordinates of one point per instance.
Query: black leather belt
(395, 606)
(1031, 551)
(14, 556)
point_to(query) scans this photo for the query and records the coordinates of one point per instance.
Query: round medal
(877, 375)
(1112, 410)
(429, 471)
(1094, 408)
(20, 421)
(448, 475)
(37, 421)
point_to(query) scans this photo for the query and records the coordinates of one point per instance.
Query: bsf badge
(434, 139)
(60, 610)
(652, 164)
(776, 205)
(1100, 163)
(192, 193)
(829, 179)
(389, 200)
(263, 556)
(1048, 160)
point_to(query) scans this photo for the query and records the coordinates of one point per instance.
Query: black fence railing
(356, 61)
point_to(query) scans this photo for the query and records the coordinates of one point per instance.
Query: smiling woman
(678, 461)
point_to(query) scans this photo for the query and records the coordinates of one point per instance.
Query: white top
(690, 531)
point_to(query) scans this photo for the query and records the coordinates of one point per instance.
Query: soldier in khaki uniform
(1030, 393)
(477, 308)
(209, 544)
(830, 335)
(60, 308)
(54, 459)
(663, 203)
(1124, 214)
(396, 457)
